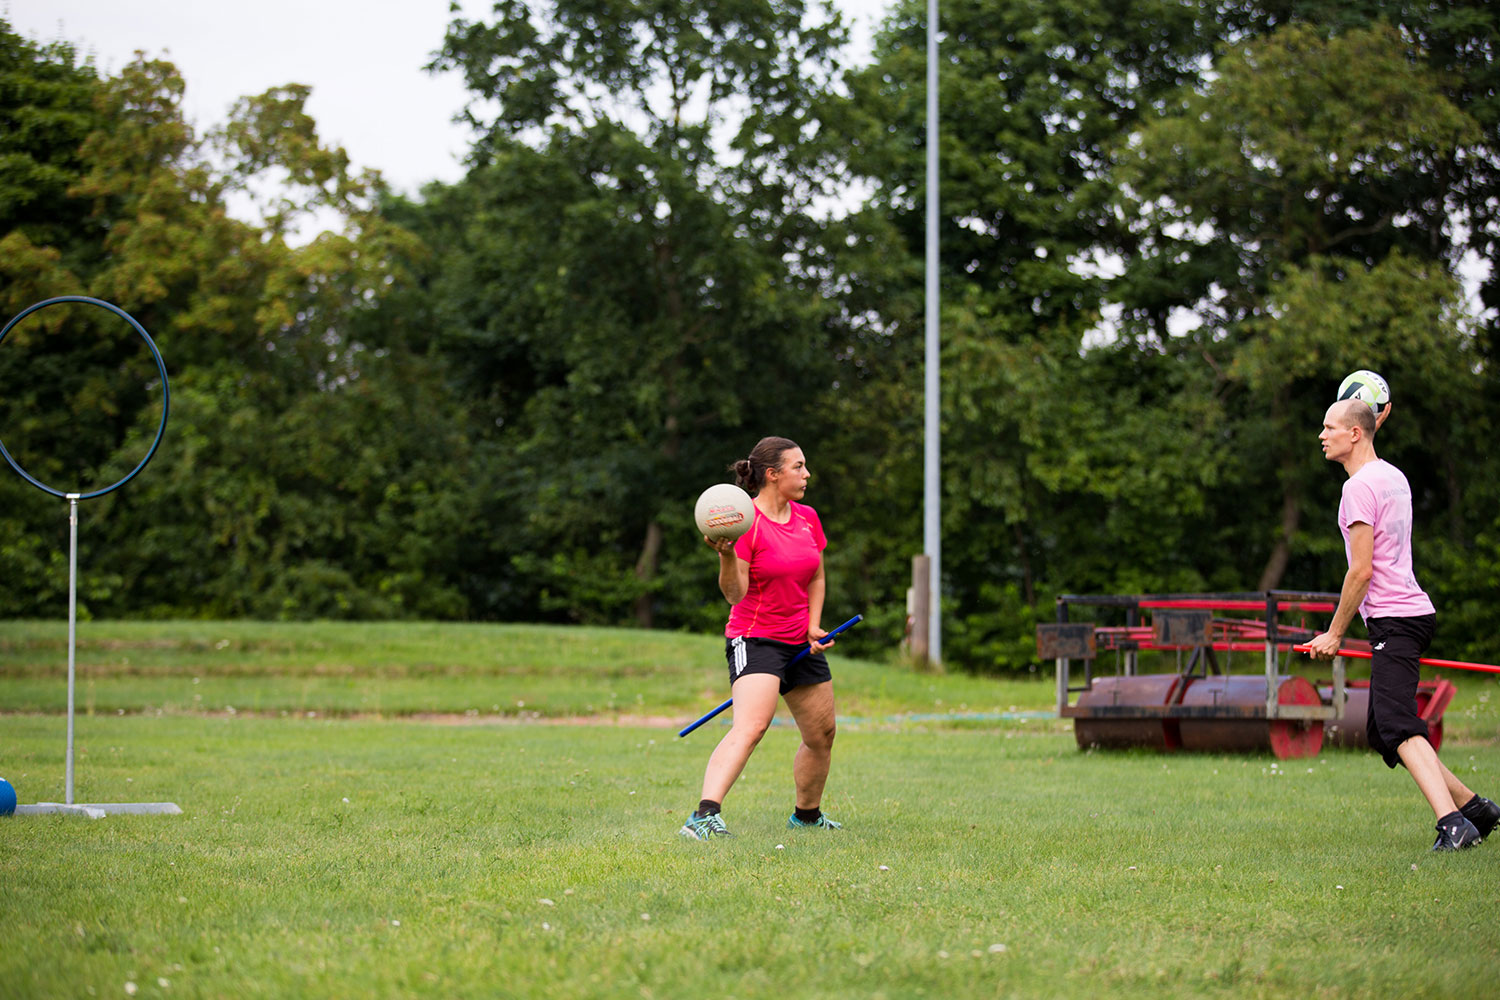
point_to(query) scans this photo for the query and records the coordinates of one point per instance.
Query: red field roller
(1126, 728)
(1252, 731)
(1203, 706)
(1348, 730)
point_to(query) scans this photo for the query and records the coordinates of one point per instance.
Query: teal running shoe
(822, 822)
(703, 827)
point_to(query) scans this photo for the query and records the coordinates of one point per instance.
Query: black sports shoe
(1483, 813)
(1455, 833)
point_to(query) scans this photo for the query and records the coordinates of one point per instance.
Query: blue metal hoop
(166, 390)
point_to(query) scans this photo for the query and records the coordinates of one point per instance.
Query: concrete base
(98, 810)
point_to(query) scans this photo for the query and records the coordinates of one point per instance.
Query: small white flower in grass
(1338, 887)
(645, 916)
(395, 923)
(163, 982)
(546, 926)
(1413, 867)
(546, 902)
(885, 868)
(520, 704)
(942, 954)
(182, 899)
(976, 953)
(130, 987)
(1131, 868)
(567, 892)
(346, 798)
(997, 948)
(781, 847)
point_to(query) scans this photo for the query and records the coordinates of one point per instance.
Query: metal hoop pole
(166, 394)
(72, 632)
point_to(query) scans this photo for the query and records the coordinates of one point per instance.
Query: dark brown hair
(750, 473)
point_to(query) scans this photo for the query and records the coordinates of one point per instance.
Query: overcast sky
(363, 59)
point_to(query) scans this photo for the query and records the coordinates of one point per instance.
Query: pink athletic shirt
(1379, 495)
(783, 560)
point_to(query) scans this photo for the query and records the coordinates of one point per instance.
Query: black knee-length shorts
(1396, 647)
(752, 655)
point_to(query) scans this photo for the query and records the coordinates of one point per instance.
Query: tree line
(1168, 230)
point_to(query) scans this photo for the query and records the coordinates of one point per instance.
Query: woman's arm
(734, 572)
(815, 590)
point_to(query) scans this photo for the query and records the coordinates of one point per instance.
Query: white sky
(362, 58)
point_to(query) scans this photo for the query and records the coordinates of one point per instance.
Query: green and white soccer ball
(1367, 387)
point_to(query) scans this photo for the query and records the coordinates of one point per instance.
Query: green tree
(634, 281)
(1295, 165)
(47, 107)
(1054, 455)
(314, 466)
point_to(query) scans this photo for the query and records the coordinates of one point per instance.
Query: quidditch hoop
(166, 393)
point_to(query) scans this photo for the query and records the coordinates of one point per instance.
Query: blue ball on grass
(7, 798)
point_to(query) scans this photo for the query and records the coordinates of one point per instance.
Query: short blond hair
(1358, 413)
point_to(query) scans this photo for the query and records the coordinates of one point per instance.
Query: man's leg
(1431, 776)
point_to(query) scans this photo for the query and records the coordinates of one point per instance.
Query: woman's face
(791, 479)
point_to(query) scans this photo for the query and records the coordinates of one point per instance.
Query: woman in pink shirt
(772, 577)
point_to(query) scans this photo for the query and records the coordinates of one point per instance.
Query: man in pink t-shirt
(1375, 517)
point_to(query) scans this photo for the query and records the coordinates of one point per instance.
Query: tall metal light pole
(932, 522)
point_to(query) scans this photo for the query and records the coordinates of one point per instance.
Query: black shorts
(1396, 646)
(751, 655)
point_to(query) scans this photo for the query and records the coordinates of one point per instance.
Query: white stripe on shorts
(741, 658)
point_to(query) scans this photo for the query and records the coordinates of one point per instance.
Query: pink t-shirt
(783, 560)
(1379, 495)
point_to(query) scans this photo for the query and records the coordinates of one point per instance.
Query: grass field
(359, 856)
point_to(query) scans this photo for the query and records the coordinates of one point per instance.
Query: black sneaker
(1455, 833)
(1483, 813)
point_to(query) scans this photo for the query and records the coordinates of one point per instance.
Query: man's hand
(1325, 646)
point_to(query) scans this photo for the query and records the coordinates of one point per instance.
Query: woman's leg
(812, 707)
(754, 707)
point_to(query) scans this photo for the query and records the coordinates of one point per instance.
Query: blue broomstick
(853, 621)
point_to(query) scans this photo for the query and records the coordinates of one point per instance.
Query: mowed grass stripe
(507, 672)
(404, 668)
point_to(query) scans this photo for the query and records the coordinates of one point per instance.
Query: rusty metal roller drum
(1121, 733)
(1283, 737)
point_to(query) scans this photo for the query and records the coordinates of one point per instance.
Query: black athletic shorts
(751, 655)
(1396, 646)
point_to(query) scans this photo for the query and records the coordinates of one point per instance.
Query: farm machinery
(1203, 705)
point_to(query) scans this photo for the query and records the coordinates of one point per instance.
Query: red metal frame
(1361, 654)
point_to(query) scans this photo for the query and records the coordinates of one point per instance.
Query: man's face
(1337, 435)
